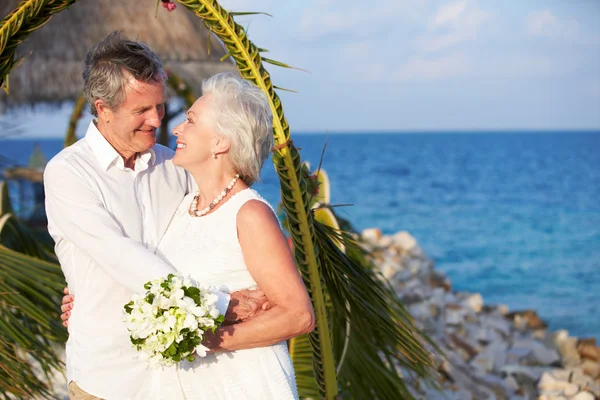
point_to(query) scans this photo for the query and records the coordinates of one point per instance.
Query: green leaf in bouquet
(172, 350)
(150, 298)
(128, 307)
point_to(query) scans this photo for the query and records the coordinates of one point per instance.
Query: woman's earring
(214, 155)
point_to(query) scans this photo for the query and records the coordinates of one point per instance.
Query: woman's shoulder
(254, 209)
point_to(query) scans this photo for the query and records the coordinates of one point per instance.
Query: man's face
(131, 128)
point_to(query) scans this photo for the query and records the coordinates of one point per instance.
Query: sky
(421, 65)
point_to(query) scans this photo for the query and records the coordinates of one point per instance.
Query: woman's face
(195, 139)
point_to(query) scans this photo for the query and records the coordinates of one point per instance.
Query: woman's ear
(222, 145)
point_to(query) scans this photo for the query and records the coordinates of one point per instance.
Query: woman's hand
(66, 307)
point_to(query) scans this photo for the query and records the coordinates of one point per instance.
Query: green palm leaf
(29, 326)
(26, 18)
(30, 282)
(383, 340)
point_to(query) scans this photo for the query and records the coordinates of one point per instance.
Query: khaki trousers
(76, 393)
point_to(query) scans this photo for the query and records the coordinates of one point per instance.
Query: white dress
(207, 249)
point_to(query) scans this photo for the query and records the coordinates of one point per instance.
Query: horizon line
(388, 131)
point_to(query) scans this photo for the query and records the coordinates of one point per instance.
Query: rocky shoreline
(491, 353)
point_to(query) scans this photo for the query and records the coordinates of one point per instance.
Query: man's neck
(130, 162)
(129, 157)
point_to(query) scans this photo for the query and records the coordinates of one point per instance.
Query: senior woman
(226, 234)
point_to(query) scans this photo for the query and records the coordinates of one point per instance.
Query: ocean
(514, 216)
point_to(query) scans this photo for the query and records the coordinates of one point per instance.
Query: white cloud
(544, 23)
(341, 17)
(452, 24)
(246, 5)
(433, 68)
(449, 13)
(518, 66)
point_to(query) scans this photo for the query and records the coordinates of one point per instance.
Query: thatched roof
(52, 71)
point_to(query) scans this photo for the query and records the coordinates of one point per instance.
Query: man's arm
(80, 215)
(243, 306)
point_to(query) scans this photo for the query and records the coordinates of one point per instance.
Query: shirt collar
(108, 156)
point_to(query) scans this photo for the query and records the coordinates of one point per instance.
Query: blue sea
(514, 216)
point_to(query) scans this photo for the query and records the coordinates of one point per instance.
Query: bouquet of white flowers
(168, 321)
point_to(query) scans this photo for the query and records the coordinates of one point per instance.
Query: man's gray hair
(241, 112)
(111, 63)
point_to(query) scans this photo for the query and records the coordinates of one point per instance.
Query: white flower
(165, 302)
(177, 294)
(214, 312)
(201, 350)
(190, 322)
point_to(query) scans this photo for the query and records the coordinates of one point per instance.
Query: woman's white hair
(240, 112)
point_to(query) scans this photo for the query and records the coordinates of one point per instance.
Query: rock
(567, 347)
(498, 324)
(583, 396)
(439, 280)
(512, 383)
(591, 368)
(551, 382)
(385, 241)
(483, 334)
(492, 358)
(500, 310)
(516, 354)
(545, 356)
(388, 270)
(586, 341)
(453, 314)
(404, 240)
(470, 349)
(531, 319)
(522, 373)
(474, 302)
(589, 351)
(535, 352)
(371, 235)
(419, 311)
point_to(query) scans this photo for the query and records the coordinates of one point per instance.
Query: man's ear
(103, 111)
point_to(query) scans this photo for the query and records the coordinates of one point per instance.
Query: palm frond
(26, 18)
(70, 136)
(29, 315)
(30, 284)
(293, 186)
(242, 13)
(280, 64)
(301, 353)
(284, 89)
(383, 338)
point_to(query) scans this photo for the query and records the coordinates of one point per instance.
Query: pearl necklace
(194, 206)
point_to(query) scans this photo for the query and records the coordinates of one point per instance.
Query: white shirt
(107, 221)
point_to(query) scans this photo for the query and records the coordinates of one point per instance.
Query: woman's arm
(272, 266)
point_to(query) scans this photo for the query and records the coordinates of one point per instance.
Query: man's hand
(246, 304)
(66, 307)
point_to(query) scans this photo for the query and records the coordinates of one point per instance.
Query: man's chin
(146, 144)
